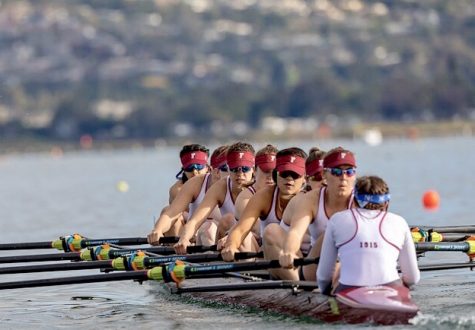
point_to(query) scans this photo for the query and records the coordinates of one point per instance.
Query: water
(43, 197)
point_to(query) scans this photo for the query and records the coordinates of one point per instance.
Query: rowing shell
(383, 305)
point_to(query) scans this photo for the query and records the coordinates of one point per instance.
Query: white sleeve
(408, 260)
(328, 257)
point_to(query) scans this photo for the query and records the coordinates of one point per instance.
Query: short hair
(372, 185)
(267, 150)
(241, 146)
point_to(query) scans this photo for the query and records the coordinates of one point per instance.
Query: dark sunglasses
(335, 171)
(193, 167)
(292, 174)
(223, 168)
(243, 169)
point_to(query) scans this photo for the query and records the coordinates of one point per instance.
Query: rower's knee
(272, 235)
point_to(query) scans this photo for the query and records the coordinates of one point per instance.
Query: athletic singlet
(319, 223)
(272, 215)
(194, 205)
(368, 244)
(228, 204)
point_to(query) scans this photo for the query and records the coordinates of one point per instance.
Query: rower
(314, 181)
(265, 164)
(174, 216)
(240, 161)
(269, 204)
(369, 241)
(313, 211)
(194, 161)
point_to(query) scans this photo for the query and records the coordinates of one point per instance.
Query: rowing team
(291, 205)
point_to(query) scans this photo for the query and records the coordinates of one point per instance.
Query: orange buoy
(431, 200)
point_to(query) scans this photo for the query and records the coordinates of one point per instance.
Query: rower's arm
(213, 197)
(241, 203)
(299, 222)
(408, 260)
(249, 216)
(174, 190)
(187, 195)
(328, 257)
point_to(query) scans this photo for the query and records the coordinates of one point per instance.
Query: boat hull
(310, 304)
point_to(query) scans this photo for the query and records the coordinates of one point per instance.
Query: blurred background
(91, 72)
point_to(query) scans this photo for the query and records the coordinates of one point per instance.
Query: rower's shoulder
(195, 181)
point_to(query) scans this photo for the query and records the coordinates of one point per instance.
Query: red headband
(292, 163)
(240, 158)
(339, 158)
(219, 160)
(266, 162)
(194, 157)
(314, 167)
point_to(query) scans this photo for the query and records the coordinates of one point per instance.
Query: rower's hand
(154, 237)
(228, 253)
(181, 246)
(286, 260)
(221, 243)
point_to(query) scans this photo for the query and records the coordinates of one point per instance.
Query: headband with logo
(193, 157)
(266, 162)
(292, 163)
(240, 158)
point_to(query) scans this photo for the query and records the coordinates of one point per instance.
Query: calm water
(42, 197)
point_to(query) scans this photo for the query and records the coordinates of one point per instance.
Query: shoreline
(372, 133)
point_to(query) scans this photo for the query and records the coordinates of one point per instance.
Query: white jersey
(228, 204)
(319, 223)
(215, 214)
(368, 244)
(271, 215)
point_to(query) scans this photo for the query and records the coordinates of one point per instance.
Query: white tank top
(215, 214)
(272, 215)
(319, 223)
(369, 244)
(228, 204)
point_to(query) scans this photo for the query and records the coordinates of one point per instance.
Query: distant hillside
(147, 69)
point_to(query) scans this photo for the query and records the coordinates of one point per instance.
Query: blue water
(43, 197)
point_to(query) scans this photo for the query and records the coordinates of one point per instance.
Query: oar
(256, 285)
(449, 229)
(173, 272)
(99, 253)
(467, 246)
(433, 236)
(431, 267)
(76, 243)
(126, 262)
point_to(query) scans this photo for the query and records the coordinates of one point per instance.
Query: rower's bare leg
(273, 241)
(226, 222)
(249, 244)
(177, 225)
(206, 234)
(310, 271)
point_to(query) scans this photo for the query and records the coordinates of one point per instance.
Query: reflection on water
(42, 198)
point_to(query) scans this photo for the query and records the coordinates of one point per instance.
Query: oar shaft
(26, 246)
(455, 246)
(57, 267)
(137, 275)
(447, 266)
(74, 256)
(451, 229)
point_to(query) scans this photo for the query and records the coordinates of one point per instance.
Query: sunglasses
(223, 168)
(335, 171)
(243, 169)
(193, 167)
(292, 174)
